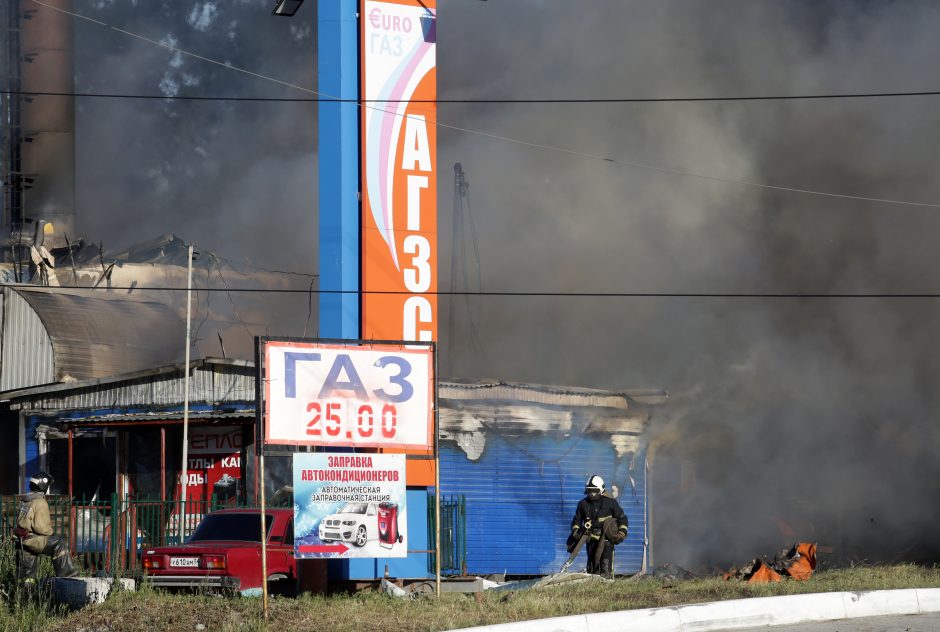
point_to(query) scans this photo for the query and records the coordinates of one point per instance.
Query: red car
(224, 552)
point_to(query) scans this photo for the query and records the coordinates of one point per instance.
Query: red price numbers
(330, 420)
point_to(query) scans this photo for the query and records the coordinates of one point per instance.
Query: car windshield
(243, 527)
(359, 508)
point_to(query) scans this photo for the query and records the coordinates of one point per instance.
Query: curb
(738, 613)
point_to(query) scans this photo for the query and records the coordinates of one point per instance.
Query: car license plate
(332, 536)
(184, 562)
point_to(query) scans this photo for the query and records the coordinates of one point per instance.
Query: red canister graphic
(388, 525)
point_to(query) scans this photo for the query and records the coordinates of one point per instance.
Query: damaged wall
(521, 453)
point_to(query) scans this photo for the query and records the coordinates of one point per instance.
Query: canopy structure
(55, 334)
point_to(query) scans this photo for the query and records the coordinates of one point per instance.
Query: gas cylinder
(388, 524)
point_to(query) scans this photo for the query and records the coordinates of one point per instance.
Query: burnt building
(56, 336)
(516, 455)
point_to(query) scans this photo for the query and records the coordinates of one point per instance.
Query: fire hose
(606, 535)
(577, 547)
(575, 550)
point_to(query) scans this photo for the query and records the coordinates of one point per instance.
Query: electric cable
(271, 270)
(504, 101)
(309, 306)
(533, 145)
(208, 302)
(509, 293)
(229, 295)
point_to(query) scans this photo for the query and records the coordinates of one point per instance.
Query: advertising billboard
(349, 505)
(399, 170)
(213, 470)
(348, 394)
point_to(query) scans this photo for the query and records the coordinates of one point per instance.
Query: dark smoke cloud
(236, 178)
(818, 412)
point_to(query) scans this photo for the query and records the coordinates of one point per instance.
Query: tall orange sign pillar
(398, 172)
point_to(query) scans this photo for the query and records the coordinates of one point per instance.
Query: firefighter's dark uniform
(607, 524)
(34, 537)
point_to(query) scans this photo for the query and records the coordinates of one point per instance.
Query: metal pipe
(21, 440)
(71, 459)
(136, 424)
(649, 516)
(437, 479)
(184, 475)
(71, 491)
(264, 542)
(162, 464)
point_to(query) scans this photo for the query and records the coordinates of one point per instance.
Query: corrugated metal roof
(96, 334)
(26, 357)
(212, 381)
(548, 395)
(469, 412)
(85, 426)
(157, 416)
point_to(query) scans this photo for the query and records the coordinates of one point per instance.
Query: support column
(71, 492)
(162, 465)
(338, 129)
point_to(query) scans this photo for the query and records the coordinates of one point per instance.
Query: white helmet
(40, 482)
(595, 482)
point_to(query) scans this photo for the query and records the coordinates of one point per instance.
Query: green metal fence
(453, 534)
(110, 534)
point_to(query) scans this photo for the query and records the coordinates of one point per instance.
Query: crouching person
(34, 537)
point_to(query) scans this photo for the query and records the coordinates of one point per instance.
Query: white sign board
(356, 395)
(349, 505)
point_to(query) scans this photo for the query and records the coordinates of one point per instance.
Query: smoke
(790, 418)
(238, 178)
(814, 412)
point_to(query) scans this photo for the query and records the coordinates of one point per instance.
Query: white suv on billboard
(355, 523)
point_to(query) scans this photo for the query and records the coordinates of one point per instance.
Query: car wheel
(361, 536)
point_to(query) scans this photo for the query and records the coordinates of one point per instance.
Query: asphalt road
(907, 623)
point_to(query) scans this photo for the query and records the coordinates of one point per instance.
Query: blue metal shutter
(522, 492)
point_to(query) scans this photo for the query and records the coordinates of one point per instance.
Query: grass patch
(25, 608)
(154, 610)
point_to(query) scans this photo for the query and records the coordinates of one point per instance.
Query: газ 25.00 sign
(361, 395)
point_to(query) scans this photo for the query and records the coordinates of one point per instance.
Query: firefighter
(33, 534)
(600, 517)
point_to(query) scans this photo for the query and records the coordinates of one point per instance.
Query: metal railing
(453, 534)
(111, 534)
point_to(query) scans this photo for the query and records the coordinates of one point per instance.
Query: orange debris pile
(802, 565)
(797, 562)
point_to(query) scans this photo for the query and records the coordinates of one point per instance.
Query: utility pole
(184, 476)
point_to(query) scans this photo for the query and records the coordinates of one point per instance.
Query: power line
(228, 293)
(232, 265)
(571, 101)
(174, 49)
(508, 139)
(579, 154)
(529, 294)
